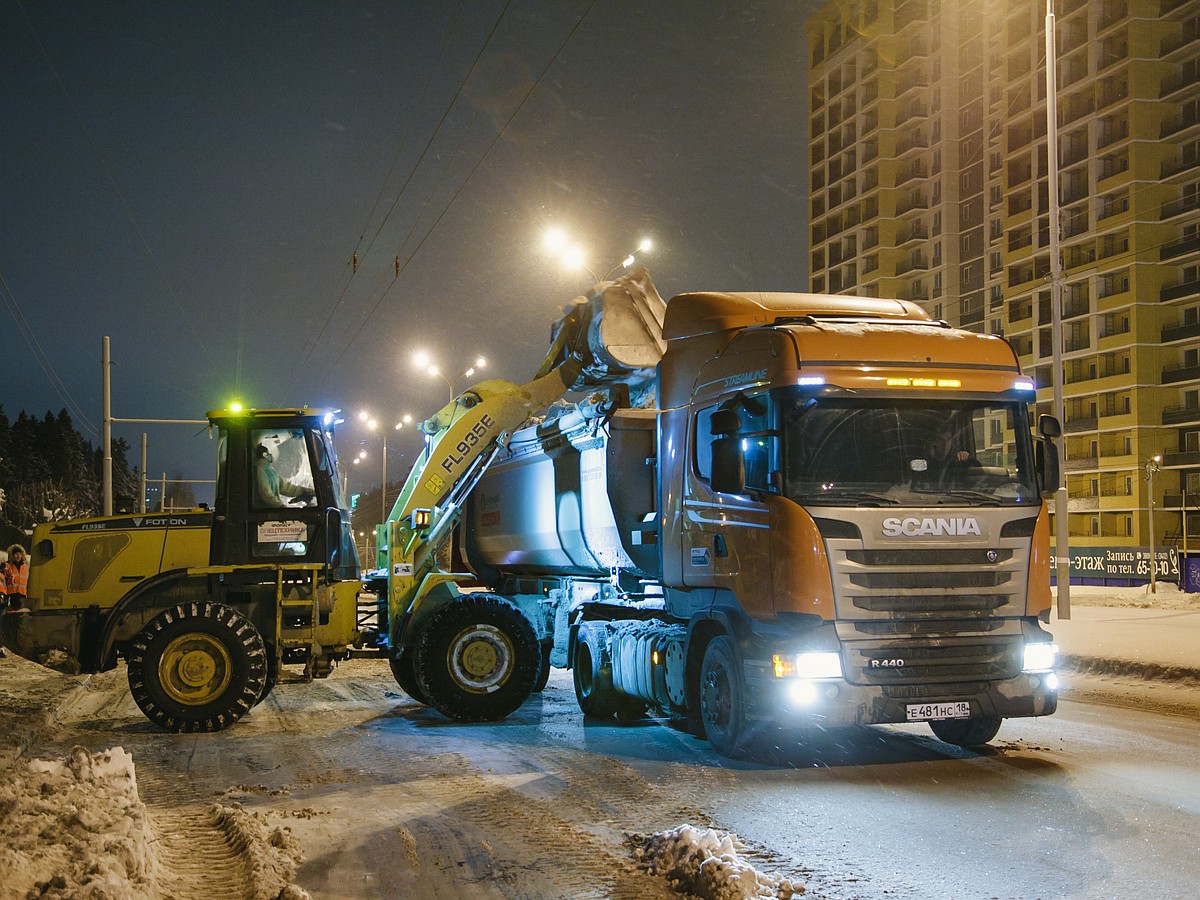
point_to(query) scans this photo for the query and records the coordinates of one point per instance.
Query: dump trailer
(833, 515)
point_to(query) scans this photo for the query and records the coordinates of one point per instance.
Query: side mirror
(1047, 463)
(1049, 427)
(728, 465)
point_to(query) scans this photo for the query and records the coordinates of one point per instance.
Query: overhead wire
(433, 227)
(437, 130)
(43, 361)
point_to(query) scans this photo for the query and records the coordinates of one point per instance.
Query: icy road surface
(385, 798)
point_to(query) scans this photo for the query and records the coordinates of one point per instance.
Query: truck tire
(973, 732)
(402, 671)
(594, 691)
(477, 658)
(197, 667)
(723, 697)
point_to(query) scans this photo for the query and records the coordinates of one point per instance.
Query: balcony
(1186, 119)
(1182, 163)
(1176, 374)
(1181, 247)
(1180, 332)
(1183, 289)
(1178, 415)
(1172, 460)
(1178, 207)
(1086, 423)
(915, 262)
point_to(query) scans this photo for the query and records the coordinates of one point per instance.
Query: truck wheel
(477, 658)
(967, 732)
(723, 697)
(402, 671)
(592, 670)
(197, 667)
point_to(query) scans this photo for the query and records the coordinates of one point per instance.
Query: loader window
(91, 557)
(282, 474)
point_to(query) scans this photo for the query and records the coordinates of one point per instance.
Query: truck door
(725, 537)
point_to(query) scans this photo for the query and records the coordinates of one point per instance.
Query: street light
(557, 244)
(423, 361)
(1151, 468)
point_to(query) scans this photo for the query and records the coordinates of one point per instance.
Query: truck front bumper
(835, 702)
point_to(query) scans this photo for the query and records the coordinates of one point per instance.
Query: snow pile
(703, 862)
(272, 853)
(76, 828)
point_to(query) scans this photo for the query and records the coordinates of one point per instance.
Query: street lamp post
(1151, 468)
(373, 425)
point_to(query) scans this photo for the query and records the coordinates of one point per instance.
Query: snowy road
(389, 799)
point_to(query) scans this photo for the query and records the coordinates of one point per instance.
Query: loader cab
(280, 496)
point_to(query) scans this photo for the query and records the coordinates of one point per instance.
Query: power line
(404, 265)
(35, 347)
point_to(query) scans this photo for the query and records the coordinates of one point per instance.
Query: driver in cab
(271, 487)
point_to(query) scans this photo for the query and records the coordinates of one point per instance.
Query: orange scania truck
(832, 514)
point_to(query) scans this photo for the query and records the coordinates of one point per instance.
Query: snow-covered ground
(74, 826)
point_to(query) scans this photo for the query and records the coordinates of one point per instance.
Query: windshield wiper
(981, 497)
(860, 498)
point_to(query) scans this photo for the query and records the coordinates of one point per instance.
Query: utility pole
(106, 399)
(1062, 533)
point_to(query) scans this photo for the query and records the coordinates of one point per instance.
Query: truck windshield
(892, 452)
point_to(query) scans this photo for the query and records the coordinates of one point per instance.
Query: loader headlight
(807, 665)
(1039, 657)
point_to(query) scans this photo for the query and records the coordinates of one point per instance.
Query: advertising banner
(1121, 562)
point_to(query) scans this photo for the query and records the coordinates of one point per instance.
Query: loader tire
(477, 658)
(197, 667)
(539, 684)
(406, 677)
(271, 680)
(594, 691)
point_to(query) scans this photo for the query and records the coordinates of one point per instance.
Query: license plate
(926, 712)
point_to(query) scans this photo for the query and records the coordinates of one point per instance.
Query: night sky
(194, 179)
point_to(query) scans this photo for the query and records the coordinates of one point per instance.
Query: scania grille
(964, 585)
(926, 662)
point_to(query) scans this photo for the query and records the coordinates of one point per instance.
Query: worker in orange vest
(16, 576)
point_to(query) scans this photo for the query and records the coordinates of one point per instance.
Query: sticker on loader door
(402, 570)
(281, 532)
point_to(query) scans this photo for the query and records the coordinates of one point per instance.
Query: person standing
(16, 576)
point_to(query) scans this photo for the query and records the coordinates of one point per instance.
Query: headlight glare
(1039, 657)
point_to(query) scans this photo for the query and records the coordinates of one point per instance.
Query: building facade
(929, 182)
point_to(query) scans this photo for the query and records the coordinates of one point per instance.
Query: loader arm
(467, 434)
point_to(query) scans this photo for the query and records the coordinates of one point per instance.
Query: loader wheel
(723, 697)
(544, 672)
(271, 680)
(967, 732)
(402, 671)
(477, 658)
(197, 667)
(592, 670)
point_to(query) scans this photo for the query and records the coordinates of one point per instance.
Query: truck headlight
(1039, 657)
(808, 665)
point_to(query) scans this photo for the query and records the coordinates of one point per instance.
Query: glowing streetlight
(423, 361)
(558, 245)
